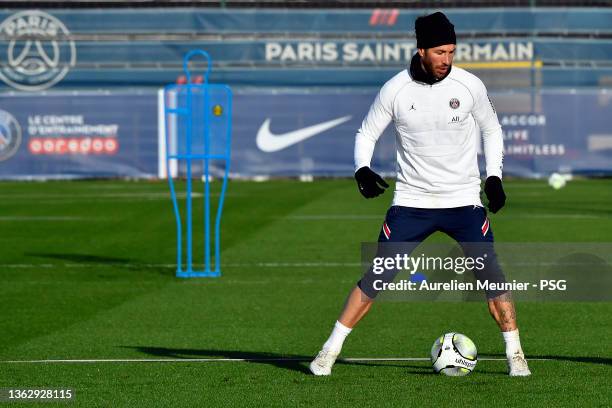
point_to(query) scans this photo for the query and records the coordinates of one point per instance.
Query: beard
(437, 72)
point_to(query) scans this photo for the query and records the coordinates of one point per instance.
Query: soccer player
(436, 109)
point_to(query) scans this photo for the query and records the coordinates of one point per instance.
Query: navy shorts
(468, 225)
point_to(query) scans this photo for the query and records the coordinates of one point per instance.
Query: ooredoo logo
(74, 145)
(37, 50)
(10, 135)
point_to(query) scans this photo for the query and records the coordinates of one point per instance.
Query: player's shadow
(80, 258)
(98, 260)
(291, 362)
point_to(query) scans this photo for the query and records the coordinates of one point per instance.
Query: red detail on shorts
(386, 230)
(485, 227)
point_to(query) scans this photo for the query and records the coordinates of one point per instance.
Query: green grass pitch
(87, 273)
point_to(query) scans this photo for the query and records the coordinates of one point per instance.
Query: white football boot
(323, 362)
(517, 366)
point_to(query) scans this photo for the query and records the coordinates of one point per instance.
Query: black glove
(495, 193)
(369, 183)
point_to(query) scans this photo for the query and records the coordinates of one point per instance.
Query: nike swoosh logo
(269, 142)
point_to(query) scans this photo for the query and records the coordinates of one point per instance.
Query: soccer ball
(557, 181)
(453, 354)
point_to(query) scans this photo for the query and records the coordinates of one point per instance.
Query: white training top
(436, 138)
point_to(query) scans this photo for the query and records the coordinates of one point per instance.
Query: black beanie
(434, 30)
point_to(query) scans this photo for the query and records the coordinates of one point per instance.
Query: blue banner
(79, 134)
(282, 133)
(252, 20)
(292, 133)
(103, 48)
(334, 52)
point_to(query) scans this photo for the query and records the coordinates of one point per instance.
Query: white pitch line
(47, 218)
(164, 194)
(557, 216)
(244, 265)
(349, 217)
(316, 217)
(224, 360)
(230, 265)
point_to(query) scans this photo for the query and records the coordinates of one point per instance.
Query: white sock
(338, 335)
(513, 343)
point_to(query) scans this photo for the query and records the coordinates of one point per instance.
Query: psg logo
(10, 135)
(36, 50)
(454, 103)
